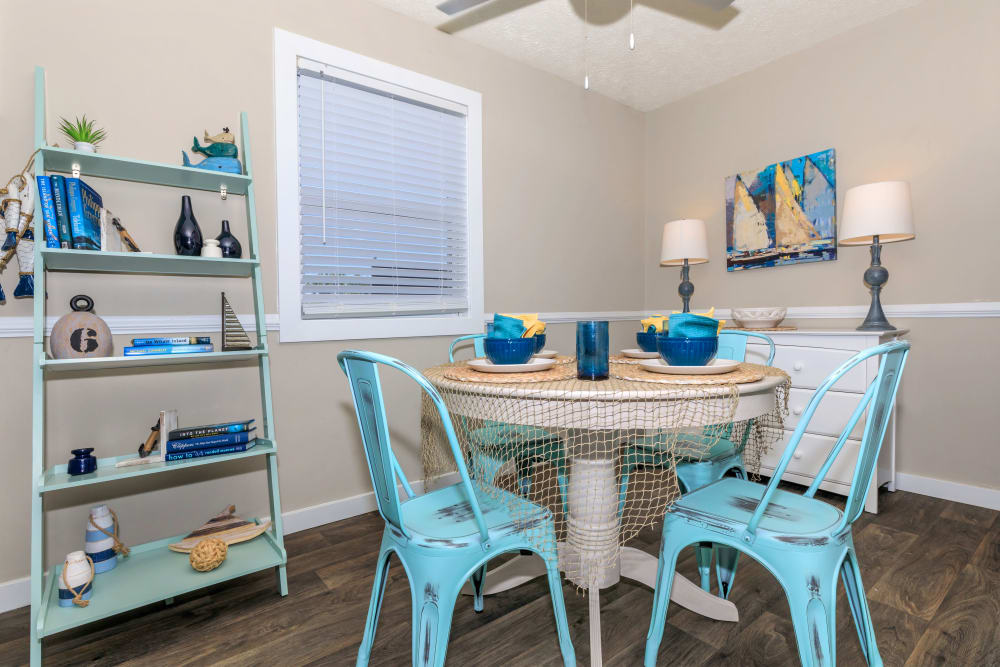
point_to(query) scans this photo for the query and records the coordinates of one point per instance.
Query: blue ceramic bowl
(539, 342)
(509, 350)
(687, 351)
(646, 341)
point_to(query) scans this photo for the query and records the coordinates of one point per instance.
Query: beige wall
(562, 190)
(913, 96)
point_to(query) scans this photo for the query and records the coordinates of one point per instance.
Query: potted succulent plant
(84, 133)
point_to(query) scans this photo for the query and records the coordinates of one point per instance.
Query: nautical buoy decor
(102, 543)
(76, 581)
(80, 334)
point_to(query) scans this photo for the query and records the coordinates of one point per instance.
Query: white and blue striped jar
(100, 546)
(75, 578)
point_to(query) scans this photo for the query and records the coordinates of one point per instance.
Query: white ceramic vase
(84, 147)
(100, 547)
(77, 574)
(211, 248)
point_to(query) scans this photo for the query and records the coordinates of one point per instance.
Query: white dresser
(809, 356)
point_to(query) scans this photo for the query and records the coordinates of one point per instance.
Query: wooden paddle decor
(226, 526)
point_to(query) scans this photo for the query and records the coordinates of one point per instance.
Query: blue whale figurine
(230, 165)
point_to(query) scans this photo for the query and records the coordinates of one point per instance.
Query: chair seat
(498, 434)
(733, 501)
(444, 518)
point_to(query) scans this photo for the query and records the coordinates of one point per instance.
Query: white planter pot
(84, 147)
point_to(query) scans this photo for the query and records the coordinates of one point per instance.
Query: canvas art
(785, 213)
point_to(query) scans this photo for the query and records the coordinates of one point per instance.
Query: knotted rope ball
(208, 554)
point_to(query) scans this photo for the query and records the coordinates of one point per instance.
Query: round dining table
(619, 406)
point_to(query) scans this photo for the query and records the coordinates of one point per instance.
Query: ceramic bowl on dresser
(758, 318)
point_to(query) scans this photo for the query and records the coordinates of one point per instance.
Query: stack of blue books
(142, 347)
(211, 440)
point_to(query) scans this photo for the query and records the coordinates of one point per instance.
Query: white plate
(715, 367)
(546, 354)
(534, 364)
(636, 353)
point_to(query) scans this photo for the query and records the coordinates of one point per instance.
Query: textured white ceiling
(681, 46)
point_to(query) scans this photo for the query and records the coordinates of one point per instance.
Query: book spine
(74, 204)
(62, 213)
(148, 350)
(214, 451)
(177, 340)
(92, 204)
(224, 440)
(207, 431)
(48, 212)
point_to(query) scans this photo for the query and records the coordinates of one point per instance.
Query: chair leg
(478, 582)
(703, 553)
(725, 568)
(661, 599)
(856, 598)
(813, 604)
(559, 608)
(433, 605)
(374, 607)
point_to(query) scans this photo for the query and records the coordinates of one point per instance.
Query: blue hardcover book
(84, 205)
(149, 350)
(177, 340)
(211, 429)
(213, 451)
(62, 212)
(223, 440)
(48, 212)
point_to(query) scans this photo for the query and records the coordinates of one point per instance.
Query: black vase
(187, 233)
(228, 243)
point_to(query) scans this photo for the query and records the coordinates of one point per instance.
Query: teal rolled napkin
(689, 325)
(506, 327)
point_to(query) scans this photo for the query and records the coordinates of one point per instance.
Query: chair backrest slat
(477, 345)
(361, 369)
(878, 399)
(733, 345)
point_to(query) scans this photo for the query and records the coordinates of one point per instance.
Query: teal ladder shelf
(130, 584)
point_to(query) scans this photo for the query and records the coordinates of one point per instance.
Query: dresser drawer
(830, 417)
(809, 366)
(811, 453)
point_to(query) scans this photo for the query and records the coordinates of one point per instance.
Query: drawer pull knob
(797, 409)
(798, 366)
(797, 455)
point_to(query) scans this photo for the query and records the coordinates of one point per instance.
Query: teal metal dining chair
(723, 457)
(443, 537)
(804, 542)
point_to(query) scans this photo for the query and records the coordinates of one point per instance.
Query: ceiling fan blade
(450, 7)
(715, 4)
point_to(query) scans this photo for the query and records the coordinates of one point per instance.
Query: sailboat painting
(785, 213)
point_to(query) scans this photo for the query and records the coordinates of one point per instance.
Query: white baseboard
(940, 488)
(17, 592)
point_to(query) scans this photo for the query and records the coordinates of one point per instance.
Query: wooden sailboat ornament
(226, 526)
(234, 336)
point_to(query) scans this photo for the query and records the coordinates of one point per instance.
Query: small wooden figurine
(220, 153)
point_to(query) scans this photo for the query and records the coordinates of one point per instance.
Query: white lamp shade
(684, 239)
(881, 209)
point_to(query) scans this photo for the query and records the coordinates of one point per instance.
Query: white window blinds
(382, 198)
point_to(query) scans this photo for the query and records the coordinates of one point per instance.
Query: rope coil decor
(564, 444)
(80, 590)
(208, 554)
(119, 547)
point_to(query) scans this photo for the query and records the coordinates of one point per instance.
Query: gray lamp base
(876, 276)
(686, 288)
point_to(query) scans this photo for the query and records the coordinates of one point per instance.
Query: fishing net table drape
(599, 455)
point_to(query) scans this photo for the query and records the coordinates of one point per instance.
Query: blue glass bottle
(592, 350)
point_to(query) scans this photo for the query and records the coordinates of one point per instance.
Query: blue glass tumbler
(592, 350)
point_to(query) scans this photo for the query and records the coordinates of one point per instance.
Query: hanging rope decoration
(79, 590)
(119, 547)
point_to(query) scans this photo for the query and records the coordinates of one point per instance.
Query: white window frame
(292, 326)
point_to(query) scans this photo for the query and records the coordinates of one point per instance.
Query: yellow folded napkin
(532, 325)
(657, 321)
(708, 313)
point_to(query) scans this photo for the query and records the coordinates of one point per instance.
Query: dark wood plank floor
(932, 569)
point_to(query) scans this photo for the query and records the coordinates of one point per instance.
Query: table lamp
(684, 243)
(874, 214)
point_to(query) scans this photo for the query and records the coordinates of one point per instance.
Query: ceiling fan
(451, 7)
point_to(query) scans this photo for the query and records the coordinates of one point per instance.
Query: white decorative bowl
(758, 318)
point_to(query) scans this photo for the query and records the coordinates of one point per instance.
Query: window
(379, 198)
